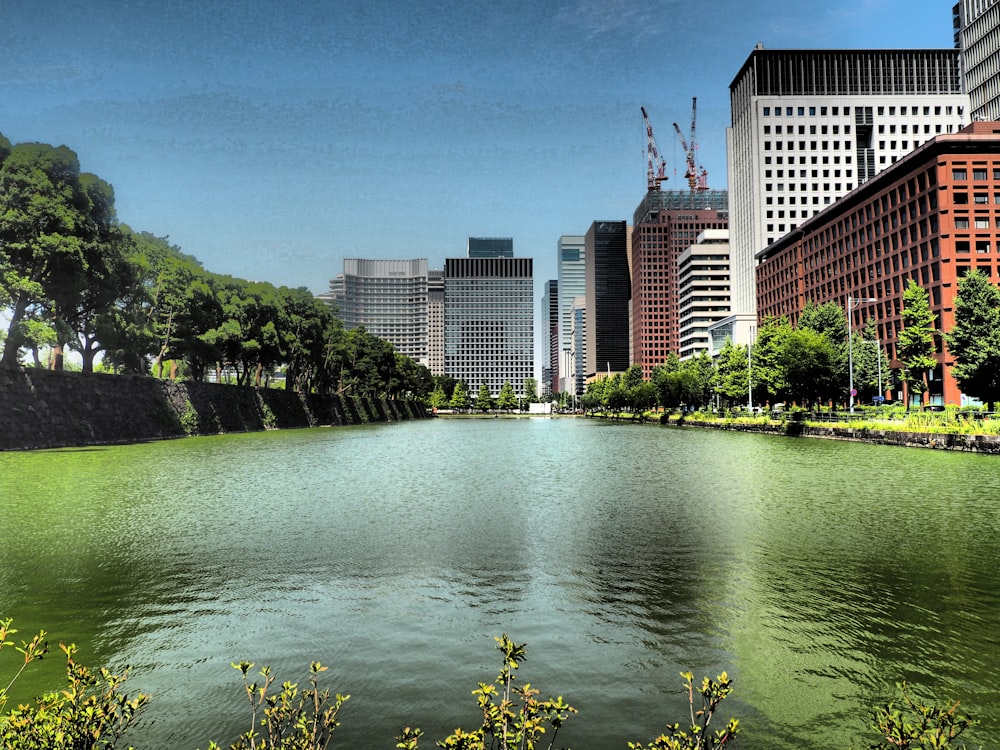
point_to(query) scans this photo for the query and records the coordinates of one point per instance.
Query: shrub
(911, 724)
(290, 719)
(513, 717)
(696, 735)
(92, 713)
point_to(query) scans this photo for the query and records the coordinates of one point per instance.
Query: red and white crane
(656, 166)
(696, 176)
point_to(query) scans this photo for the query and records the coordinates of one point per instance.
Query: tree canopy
(72, 276)
(974, 340)
(915, 346)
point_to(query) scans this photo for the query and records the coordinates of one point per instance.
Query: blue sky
(271, 140)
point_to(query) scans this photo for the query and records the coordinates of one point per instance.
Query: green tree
(808, 361)
(828, 319)
(703, 369)
(56, 226)
(507, 400)
(731, 373)
(531, 390)
(309, 324)
(916, 339)
(446, 383)
(643, 397)
(593, 397)
(484, 399)
(768, 376)
(974, 339)
(438, 398)
(871, 364)
(460, 396)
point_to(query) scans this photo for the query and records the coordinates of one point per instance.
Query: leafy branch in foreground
(513, 717)
(91, 713)
(911, 724)
(32, 650)
(696, 736)
(291, 719)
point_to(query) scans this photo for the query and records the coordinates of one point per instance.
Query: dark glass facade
(609, 289)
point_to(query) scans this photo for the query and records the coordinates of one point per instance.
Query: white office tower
(388, 298)
(809, 126)
(572, 284)
(977, 37)
(489, 328)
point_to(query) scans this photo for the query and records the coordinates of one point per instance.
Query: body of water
(818, 573)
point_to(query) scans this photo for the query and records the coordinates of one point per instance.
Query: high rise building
(435, 322)
(490, 247)
(571, 253)
(550, 338)
(702, 290)
(608, 289)
(489, 322)
(576, 375)
(809, 126)
(390, 299)
(977, 37)
(664, 225)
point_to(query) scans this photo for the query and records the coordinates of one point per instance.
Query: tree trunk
(14, 340)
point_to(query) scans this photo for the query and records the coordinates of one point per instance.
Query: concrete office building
(665, 224)
(390, 299)
(489, 322)
(977, 37)
(608, 289)
(571, 252)
(930, 217)
(435, 322)
(702, 290)
(809, 126)
(576, 375)
(550, 338)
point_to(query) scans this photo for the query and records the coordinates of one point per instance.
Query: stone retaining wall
(43, 409)
(970, 443)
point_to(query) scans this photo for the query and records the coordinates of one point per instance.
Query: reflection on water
(817, 573)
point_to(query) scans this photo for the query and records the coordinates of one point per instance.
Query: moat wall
(43, 409)
(938, 441)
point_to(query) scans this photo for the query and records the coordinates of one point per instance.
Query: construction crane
(696, 177)
(656, 167)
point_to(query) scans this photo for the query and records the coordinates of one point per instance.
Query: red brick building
(929, 217)
(665, 224)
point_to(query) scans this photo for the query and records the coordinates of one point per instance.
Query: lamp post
(852, 302)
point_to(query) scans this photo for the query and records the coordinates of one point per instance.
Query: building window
(982, 246)
(979, 175)
(959, 174)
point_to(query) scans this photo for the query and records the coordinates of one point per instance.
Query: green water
(817, 573)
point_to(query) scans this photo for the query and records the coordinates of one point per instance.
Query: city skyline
(273, 144)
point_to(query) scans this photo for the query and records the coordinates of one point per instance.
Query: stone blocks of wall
(43, 409)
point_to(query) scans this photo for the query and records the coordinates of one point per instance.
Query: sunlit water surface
(817, 573)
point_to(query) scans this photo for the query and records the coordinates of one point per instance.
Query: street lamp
(852, 302)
